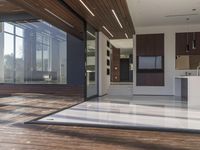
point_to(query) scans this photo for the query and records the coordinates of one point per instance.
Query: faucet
(198, 68)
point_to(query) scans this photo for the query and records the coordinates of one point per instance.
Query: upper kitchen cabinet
(188, 43)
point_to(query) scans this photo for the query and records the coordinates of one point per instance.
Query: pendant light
(194, 44)
(188, 45)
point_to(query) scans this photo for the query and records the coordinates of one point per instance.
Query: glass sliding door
(92, 65)
(32, 53)
(13, 54)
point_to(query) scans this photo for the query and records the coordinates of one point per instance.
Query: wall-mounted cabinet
(188, 43)
(187, 50)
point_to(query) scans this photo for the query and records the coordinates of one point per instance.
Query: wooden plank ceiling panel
(9, 8)
(55, 13)
(102, 10)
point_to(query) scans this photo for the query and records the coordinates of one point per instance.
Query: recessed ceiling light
(67, 23)
(126, 35)
(108, 31)
(87, 7)
(116, 17)
(181, 15)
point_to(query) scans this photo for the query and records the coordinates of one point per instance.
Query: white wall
(104, 79)
(170, 72)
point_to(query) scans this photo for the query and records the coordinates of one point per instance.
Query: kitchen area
(187, 79)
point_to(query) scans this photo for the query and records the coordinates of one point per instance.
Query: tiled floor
(163, 112)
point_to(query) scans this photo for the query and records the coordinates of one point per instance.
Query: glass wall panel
(19, 59)
(39, 62)
(92, 80)
(9, 28)
(19, 32)
(33, 52)
(8, 58)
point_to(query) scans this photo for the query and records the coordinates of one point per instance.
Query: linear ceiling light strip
(116, 17)
(126, 35)
(87, 8)
(67, 23)
(108, 31)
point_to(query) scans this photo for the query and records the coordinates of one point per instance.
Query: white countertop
(186, 77)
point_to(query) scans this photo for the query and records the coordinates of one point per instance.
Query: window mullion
(14, 59)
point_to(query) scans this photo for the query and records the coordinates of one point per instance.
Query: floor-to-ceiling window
(33, 53)
(92, 67)
(19, 55)
(13, 59)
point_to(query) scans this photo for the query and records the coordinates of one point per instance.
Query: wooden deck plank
(15, 135)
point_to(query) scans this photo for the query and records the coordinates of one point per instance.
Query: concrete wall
(170, 72)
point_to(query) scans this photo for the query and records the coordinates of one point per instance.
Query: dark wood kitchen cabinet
(182, 39)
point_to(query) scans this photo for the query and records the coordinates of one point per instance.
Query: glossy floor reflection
(137, 111)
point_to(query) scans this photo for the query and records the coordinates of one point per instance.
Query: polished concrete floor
(156, 112)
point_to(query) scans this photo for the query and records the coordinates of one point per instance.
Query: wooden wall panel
(150, 45)
(150, 79)
(115, 65)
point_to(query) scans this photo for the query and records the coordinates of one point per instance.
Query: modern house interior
(99, 74)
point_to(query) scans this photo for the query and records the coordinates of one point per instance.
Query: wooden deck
(15, 135)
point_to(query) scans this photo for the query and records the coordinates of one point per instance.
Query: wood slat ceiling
(102, 10)
(9, 8)
(55, 13)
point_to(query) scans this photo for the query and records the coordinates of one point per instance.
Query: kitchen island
(188, 88)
